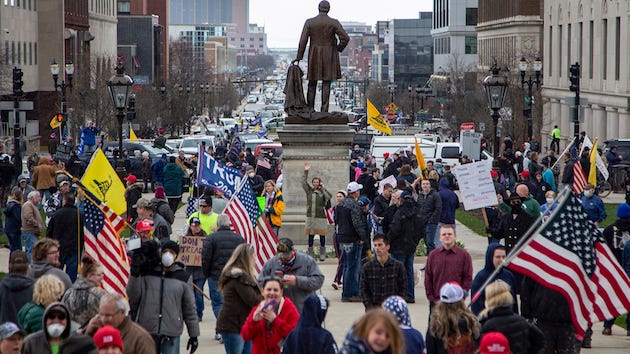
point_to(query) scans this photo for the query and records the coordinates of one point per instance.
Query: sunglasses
(57, 316)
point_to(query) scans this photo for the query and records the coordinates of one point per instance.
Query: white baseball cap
(354, 186)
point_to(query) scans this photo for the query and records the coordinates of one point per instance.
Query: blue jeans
(71, 262)
(215, 296)
(609, 323)
(199, 296)
(28, 239)
(166, 346)
(234, 344)
(351, 254)
(429, 237)
(15, 241)
(407, 261)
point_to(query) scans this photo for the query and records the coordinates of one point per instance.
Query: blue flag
(213, 174)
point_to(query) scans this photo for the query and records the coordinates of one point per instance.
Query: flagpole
(238, 188)
(563, 152)
(522, 243)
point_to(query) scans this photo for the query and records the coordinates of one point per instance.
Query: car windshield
(155, 151)
(228, 121)
(193, 143)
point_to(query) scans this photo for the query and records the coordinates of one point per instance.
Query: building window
(550, 51)
(471, 45)
(242, 39)
(617, 46)
(124, 7)
(471, 16)
(35, 54)
(604, 48)
(6, 52)
(30, 53)
(560, 40)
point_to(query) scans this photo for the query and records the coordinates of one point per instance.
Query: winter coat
(15, 291)
(465, 344)
(545, 305)
(350, 223)
(162, 229)
(146, 169)
(429, 206)
(380, 204)
(567, 173)
(217, 250)
(40, 268)
(309, 277)
(31, 219)
(274, 213)
(354, 345)
(450, 202)
(369, 186)
(513, 229)
(132, 194)
(136, 339)
(63, 227)
(89, 135)
(484, 274)
(267, 337)
(30, 317)
(594, 207)
(294, 100)
(173, 176)
(240, 295)
(524, 337)
(540, 188)
(44, 174)
(83, 300)
(158, 171)
(13, 220)
(315, 199)
(257, 183)
(162, 208)
(25, 191)
(166, 299)
(405, 230)
(309, 336)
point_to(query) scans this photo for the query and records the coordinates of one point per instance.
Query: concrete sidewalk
(342, 315)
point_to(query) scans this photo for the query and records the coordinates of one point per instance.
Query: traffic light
(61, 117)
(574, 77)
(131, 109)
(527, 99)
(527, 112)
(18, 83)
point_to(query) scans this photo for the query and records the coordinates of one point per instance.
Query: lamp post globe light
(119, 86)
(495, 86)
(523, 66)
(69, 72)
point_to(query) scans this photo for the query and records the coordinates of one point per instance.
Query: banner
(211, 173)
(475, 184)
(375, 119)
(190, 248)
(101, 179)
(601, 166)
(54, 122)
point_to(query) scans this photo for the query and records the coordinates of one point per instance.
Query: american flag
(102, 243)
(191, 206)
(235, 148)
(263, 163)
(569, 255)
(579, 178)
(247, 221)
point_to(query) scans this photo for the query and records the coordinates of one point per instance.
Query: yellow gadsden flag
(54, 122)
(101, 179)
(376, 120)
(592, 173)
(132, 134)
(420, 158)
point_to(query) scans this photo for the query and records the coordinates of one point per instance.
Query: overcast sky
(283, 19)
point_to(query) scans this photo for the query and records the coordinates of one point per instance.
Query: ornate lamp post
(529, 99)
(119, 86)
(69, 72)
(392, 91)
(495, 86)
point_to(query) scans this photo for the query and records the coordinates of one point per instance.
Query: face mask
(251, 175)
(55, 330)
(549, 200)
(587, 194)
(516, 208)
(168, 259)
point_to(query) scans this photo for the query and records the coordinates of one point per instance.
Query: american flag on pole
(247, 221)
(103, 244)
(579, 178)
(569, 255)
(263, 163)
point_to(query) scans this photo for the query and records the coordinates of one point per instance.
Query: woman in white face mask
(56, 335)
(549, 206)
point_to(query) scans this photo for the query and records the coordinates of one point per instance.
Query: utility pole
(18, 91)
(574, 79)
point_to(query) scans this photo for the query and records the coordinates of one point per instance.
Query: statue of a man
(327, 40)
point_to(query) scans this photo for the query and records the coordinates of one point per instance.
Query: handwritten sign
(190, 250)
(475, 184)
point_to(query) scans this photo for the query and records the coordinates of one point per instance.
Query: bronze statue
(323, 53)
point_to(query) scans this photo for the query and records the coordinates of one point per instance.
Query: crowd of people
(52, 299)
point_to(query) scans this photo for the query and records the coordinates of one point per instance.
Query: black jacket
(543, 304)
(132, 194)
(429, 207)
(513, 229)
(350, 223)
(217, 249)
(368, 182)
(405, 230)
(15, 291)
(66, 226)
(524, 337)
(380, 205)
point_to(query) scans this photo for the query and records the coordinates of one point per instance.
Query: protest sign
(475, 184)
(390, 179)
(190, 248)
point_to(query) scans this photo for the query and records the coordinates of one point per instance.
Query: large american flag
(103, 244)
(579, 178)
(247, 221)
(569, 255)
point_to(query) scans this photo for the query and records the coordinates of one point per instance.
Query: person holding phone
(317, 196)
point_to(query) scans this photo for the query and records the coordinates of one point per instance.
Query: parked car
(273, 123)
(134, 154)
(190, 144)
(274, 148)
(252, 99)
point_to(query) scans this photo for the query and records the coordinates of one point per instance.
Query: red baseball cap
(108, 336)
(525, 173)
(494, 173)
(494, 342)
(144, 225)
(131, 178)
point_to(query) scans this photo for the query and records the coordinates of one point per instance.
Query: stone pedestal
(325, 147)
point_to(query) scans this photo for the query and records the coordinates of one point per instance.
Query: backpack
(620, 238)
(165, 211)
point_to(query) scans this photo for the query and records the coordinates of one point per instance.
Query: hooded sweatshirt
(15, 291)
(450, 202)
(484, 274)
(414, 342)
(38, 268)
(309, 336)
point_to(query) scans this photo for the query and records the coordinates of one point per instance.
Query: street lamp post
(495, 87)
(204, 90)
(529, 99)
(392, 90)
(119, 86)
(69, 72)
(419, 93)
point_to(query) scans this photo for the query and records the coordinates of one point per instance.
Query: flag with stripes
(235, 149)
(245, 215)
(569, 255)
(263, 163)
(579, 178)
(102, 243)
(191, 207)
